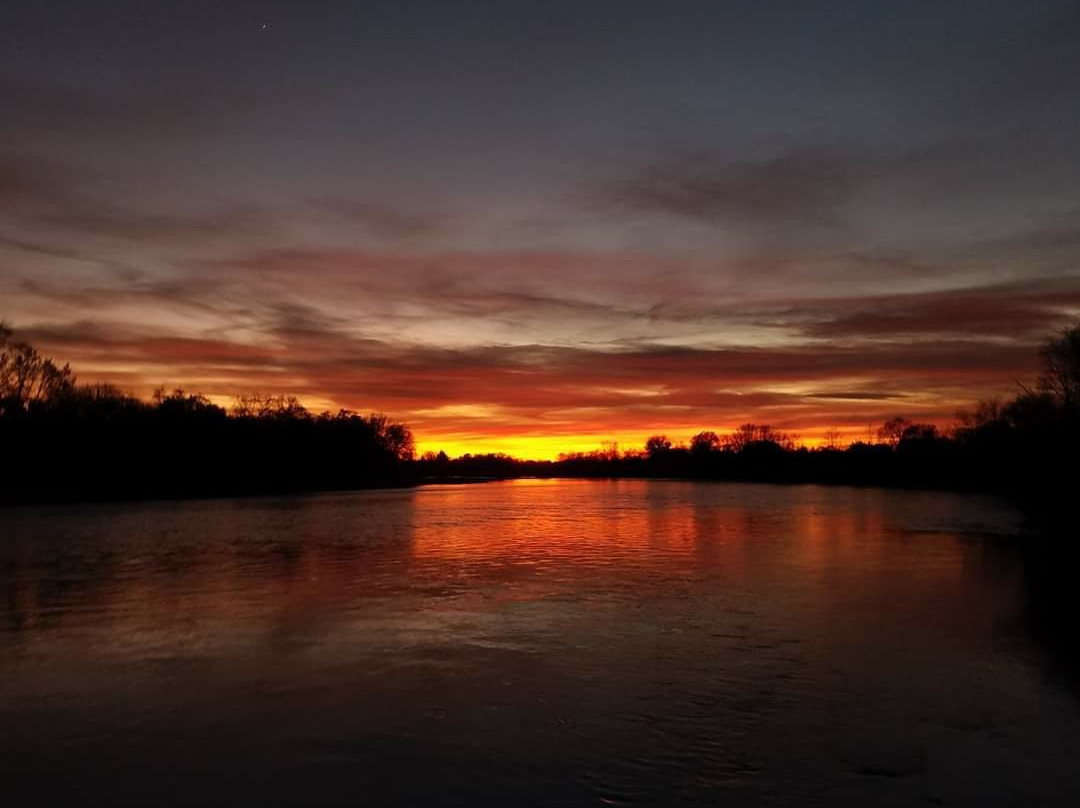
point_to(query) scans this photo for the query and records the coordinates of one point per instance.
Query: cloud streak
(804, 187)
(37, 110)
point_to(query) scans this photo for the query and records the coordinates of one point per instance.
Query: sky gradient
(531, 227)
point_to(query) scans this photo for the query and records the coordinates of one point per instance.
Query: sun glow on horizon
(540, 447)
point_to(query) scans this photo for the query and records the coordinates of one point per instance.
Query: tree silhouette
(833, 439)
(93, 441)
(892, 431)
(1061, 367)
(657, 445)
(704, 442)
(26, 378)
(258, 405)
(748, 434)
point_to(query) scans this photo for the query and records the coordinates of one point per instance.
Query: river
(529, 643)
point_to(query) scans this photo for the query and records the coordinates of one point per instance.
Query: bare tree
(1061, 367)
(892, 431)
(833, 439)
(609, 450)
(257, 405)
(987, 411)
(748, 434)
(27, 378)
(395, 437)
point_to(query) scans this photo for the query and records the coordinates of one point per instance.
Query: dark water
(556, 643)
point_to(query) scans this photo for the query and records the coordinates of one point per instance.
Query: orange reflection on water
(200, 577)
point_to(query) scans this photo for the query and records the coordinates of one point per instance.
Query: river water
(529, 643)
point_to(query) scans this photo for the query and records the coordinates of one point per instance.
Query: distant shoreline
(44, 500)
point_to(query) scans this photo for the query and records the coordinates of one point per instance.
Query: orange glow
(529, 447)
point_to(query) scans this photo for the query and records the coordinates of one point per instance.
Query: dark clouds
(28, 182)
(44, 197)
(382, 220)
(57, 112)
(92, 218)
(804, 187)
(828, 186)
(1015, 311)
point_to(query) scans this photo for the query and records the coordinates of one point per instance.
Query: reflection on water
(560, 642)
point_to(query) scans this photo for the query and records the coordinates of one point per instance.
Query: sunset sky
(534, 226)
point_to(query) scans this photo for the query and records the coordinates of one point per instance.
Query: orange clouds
(535, 353)
(539, 400)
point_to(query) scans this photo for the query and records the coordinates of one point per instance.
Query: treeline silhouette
(1026, 447)
(65, 441)
(62, 440)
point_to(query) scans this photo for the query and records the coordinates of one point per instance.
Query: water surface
(528, 643)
